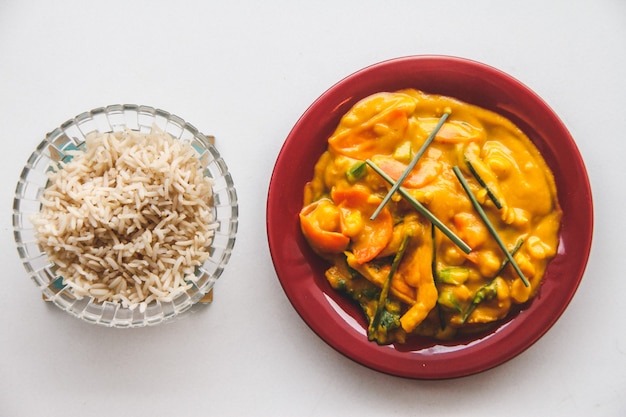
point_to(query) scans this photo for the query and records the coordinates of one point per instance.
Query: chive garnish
(384, 293)
(488, 223)
(423, 210)
(486, 292)
(490, 193)
(411, 165)
(506, 261)
(480, 294)
(433, 263)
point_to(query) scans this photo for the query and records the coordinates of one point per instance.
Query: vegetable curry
(427, 262)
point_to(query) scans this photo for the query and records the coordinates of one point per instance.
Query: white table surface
(245, 72)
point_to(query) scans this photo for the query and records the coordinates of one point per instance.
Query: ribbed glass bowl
(69, 136)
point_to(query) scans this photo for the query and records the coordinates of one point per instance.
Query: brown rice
(129, 219)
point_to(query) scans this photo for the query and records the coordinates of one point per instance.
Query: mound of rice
(129, 219)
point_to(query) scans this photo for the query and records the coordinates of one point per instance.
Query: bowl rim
(339, 98)
(114, 118)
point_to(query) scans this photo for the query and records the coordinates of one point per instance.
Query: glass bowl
(68, 137)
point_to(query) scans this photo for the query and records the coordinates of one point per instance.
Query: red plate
(340, 322)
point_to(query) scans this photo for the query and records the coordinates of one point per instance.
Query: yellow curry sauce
(437, 290)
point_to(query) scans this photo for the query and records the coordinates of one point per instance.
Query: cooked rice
(129, 219)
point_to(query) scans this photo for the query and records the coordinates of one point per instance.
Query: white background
(245, 72)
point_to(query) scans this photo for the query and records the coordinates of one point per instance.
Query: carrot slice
(320, 225)
(425, 172)
(369, 237)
